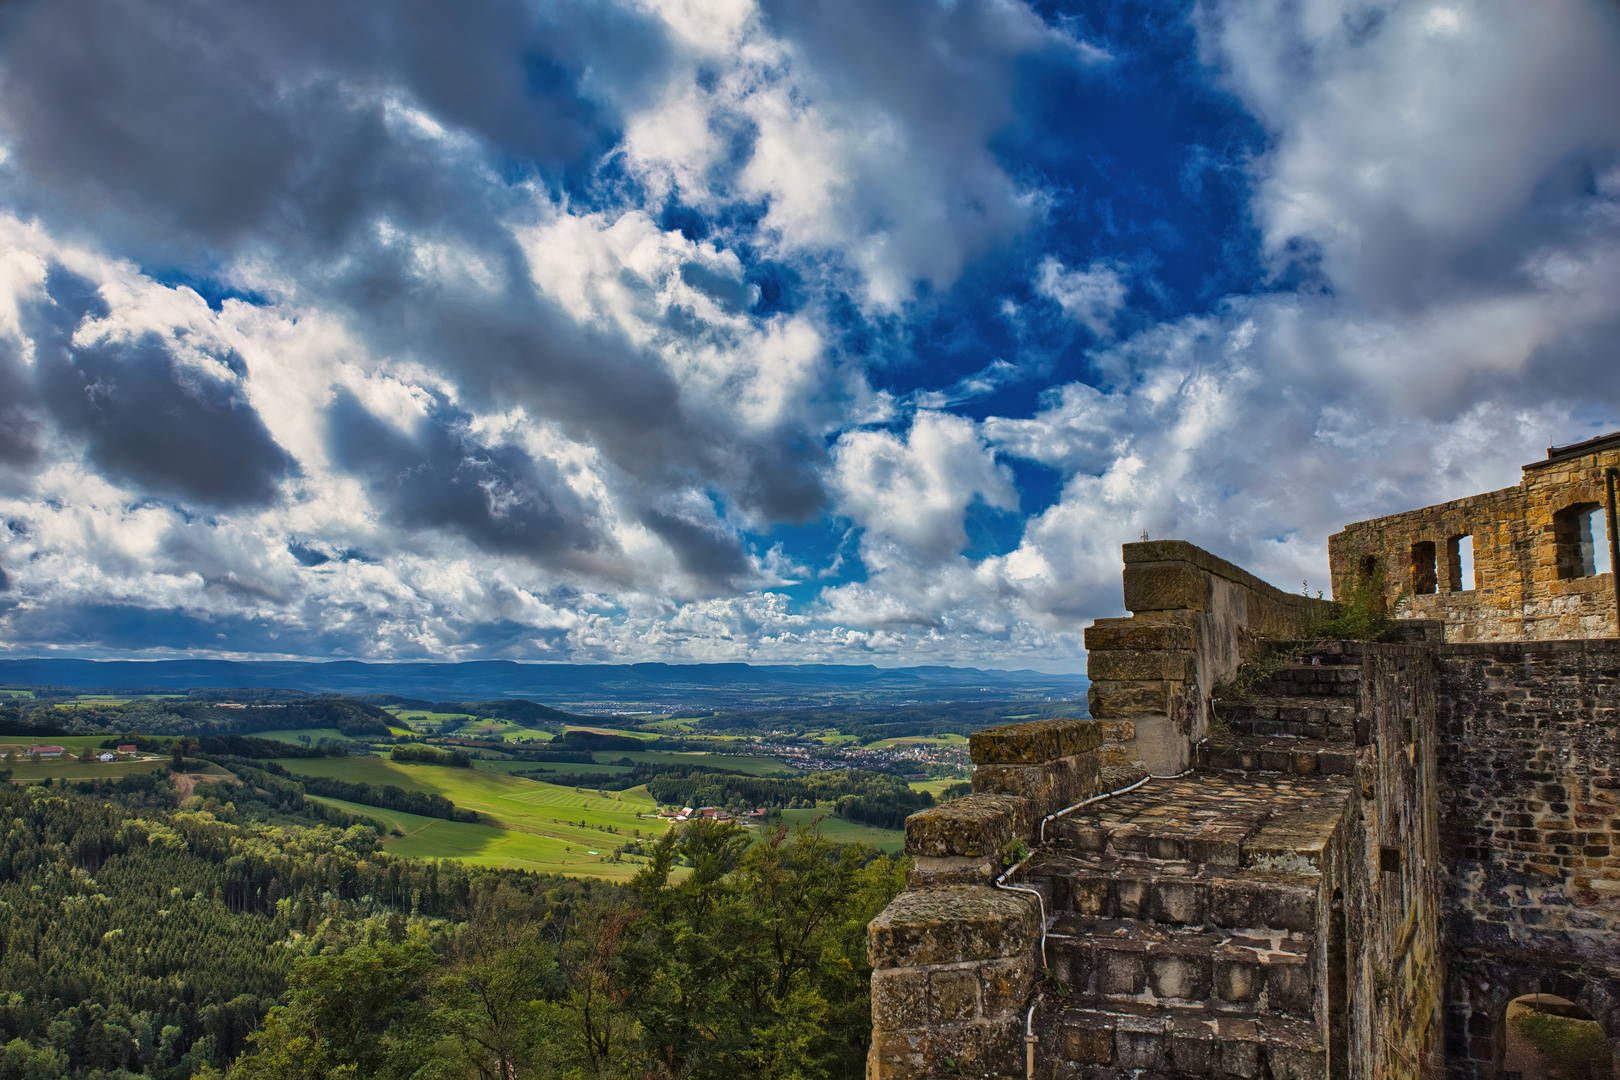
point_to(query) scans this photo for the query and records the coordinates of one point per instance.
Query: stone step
(1282, 754)
(1175, 894)
(1116, 1042)
(1314, 680)
(1328, 719)
(1222, 819)
(1133, 960)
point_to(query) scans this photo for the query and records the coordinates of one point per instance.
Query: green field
(933, 787)
(531, 824)
(951, 739)
(847, 832)
(74, 769)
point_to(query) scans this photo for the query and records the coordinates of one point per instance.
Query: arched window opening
(1581, 535)
(1552, 1038)
(1424, 579)
(1460, 563)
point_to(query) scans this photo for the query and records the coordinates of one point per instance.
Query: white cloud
(1091, 297)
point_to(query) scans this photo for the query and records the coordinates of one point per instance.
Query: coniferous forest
(250, 933)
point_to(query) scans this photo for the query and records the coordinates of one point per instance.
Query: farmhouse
(47, 751)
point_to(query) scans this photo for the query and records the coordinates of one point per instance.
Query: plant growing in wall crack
(1013, 852)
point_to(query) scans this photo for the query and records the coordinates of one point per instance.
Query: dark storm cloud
(148, 417)
(189, 131)
(19, 426)
(499, 497)
(705, 550)
(230, 120)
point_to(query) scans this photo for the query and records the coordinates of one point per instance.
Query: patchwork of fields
(523, 823)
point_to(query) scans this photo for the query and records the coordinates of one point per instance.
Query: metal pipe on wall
(1609, 475)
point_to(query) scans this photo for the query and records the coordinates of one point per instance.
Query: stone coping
(1157, 551)
(977, 825)
(952, 924)
(1034, 742)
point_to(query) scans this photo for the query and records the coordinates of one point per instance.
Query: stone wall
(1392, 877)
(1527, 583)
(954, 958)
(1530, 762)
(1195, 618)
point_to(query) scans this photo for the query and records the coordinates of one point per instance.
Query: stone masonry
(1345, 866)
(1533, 552)
(1271, 911)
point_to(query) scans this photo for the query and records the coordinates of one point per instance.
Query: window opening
(1582, 538)
(1423, 575)
(1460, 563)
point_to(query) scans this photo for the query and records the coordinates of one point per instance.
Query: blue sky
(847, 331)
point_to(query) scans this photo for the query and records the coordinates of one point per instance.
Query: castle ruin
(1349, 860)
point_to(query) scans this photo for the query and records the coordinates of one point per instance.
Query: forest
(249, 932)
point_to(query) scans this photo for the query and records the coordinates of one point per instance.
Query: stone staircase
(1190, 922)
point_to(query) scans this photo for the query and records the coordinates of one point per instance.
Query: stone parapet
(955, 958)
(1195, 618)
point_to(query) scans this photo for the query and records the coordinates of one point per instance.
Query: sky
(840, 331)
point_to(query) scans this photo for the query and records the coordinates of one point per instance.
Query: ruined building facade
(1345, 863)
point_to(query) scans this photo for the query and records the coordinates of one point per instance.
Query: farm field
(951, 739)
(847, 832)
(486, 845)
(74, 769)
(933, 787)
(570, 819)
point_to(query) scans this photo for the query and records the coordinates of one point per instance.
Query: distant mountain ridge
(606, 684)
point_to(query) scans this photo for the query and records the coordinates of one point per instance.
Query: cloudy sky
(854, 331)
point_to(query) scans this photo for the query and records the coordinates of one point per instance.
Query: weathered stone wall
(954, 958)
(1392, 873)
(1195, 618)
(1525, 587)
(1530, 764)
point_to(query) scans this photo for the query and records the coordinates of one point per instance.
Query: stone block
(1049, 787)
(1178, 901)
(1121, 967)
(1180, 973)
(1128, 897)
(1176, 665)
(1114, 699)
(1167, 586)
(1034, 742)
(953, 995)
(1190, 1047)
(1087, 1039)
(977, 825)
(899, 999)
(1004, 987)
(900, 1055)
(1288, 986)
(1139, 1044)
(1234, 904)
(1288, 906)
(1239, 1043)
(1112, 634)
(1237, 975)
(952, 924)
